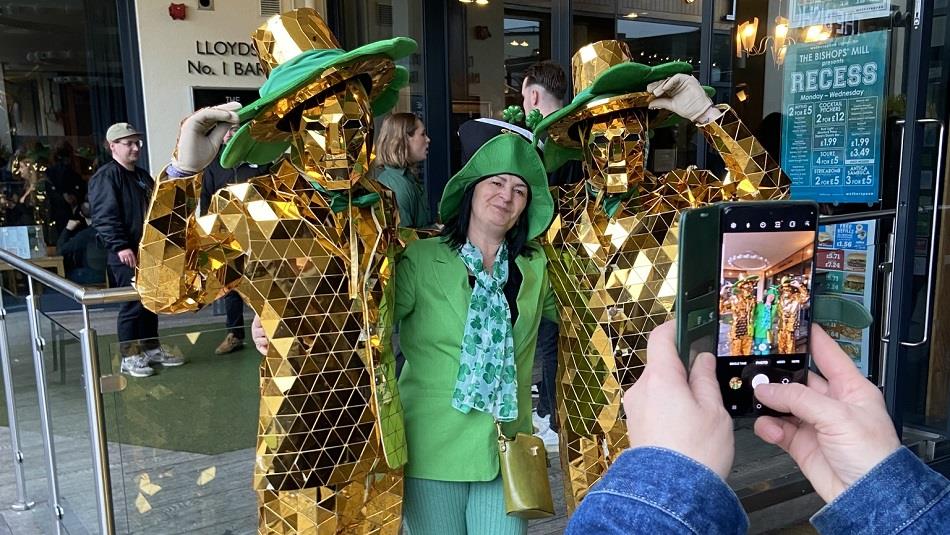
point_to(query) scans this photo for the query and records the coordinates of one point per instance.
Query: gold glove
(681, 94)
(201, 134)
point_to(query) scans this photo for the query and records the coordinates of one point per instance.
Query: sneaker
(160, 355)
(230, 344)
(550, 439)
(540, 424)
(136, 366)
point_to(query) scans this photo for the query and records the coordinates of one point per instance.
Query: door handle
(888, 267)
(932, 260)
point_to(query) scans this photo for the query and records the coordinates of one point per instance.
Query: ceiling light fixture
(748, 261)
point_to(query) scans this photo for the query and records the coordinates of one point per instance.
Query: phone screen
(765, 295)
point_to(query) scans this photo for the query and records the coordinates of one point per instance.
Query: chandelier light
(748, 261)
(777, 42)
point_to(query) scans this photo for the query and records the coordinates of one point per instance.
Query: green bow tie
(611, 202)
(340, 199)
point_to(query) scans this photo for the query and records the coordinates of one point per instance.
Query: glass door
(917, 356)
(851, 97)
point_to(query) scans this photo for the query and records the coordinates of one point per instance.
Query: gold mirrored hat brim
(379, 71)
(565, 131)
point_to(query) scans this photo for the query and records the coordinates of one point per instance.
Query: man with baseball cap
(118, 196)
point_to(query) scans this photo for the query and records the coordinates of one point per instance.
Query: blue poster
(851, 236)
(832, 129)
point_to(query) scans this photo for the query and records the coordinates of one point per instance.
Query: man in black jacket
(216, 177)
(118, 195)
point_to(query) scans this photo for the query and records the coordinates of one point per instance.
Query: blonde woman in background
(402, 144)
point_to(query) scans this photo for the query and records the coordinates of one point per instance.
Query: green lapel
(529, 296)
(452, 280)
(453, 283)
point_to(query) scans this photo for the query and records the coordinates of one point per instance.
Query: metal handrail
(858, 216)
(79, 294)
(91, 383)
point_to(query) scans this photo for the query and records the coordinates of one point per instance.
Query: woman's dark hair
(455, 231)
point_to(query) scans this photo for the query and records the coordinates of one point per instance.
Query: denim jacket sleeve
(656, 490)
(899, 495)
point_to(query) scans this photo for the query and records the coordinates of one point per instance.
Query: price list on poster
(844, 262)
(834, 104)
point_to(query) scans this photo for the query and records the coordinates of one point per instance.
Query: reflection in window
(61, 88)
(653, 43)
(490, 46)
(522, 49)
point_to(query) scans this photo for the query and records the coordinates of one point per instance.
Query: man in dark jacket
(118, 195)
(214, 178)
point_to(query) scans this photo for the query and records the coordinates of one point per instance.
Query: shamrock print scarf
(486, 379)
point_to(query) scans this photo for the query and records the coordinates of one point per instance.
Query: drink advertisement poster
(832, 127)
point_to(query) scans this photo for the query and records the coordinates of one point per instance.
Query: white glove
(681, 94)
(201, 134)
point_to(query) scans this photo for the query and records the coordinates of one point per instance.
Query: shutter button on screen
(759, 379)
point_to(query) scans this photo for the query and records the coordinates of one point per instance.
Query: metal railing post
(37, 343)
(22, 502)
(97, 426)
(92, 382)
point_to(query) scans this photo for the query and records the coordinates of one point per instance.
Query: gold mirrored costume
(739, 302)
(792, 298)
(310, 248)
(612, 252)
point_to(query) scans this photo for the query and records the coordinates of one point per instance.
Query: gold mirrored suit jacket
(615, 278)
(328, 406)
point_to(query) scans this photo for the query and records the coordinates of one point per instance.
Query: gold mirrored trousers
(615, 278)
(330, 439)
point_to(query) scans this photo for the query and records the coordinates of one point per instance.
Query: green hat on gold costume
(605, 81)
(304, 59)
(504, 152)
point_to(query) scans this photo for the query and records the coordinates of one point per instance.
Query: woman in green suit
(469, 303)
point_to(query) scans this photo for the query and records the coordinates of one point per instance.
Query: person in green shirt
(401, 146)
(763, 319)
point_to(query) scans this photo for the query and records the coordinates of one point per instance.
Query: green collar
(610, 202)
(340, 199)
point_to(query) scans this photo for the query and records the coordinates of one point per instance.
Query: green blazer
(432, 297)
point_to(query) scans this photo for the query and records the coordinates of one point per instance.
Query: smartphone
(762, 275)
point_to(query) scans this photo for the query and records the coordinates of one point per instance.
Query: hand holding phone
(680, 414)
(749, 301)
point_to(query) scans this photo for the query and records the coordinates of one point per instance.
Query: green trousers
(458, 508)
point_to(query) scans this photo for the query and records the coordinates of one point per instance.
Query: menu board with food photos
(844, 262)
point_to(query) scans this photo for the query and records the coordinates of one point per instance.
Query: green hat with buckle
(304, 59)
(606, 81)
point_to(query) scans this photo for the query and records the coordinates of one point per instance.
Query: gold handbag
(524, 474)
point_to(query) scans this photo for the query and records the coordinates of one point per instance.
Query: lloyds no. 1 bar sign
(832, 126)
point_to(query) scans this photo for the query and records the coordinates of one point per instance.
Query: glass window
(368, 20)
(61, 86)
(491, 45)
(657, 36)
